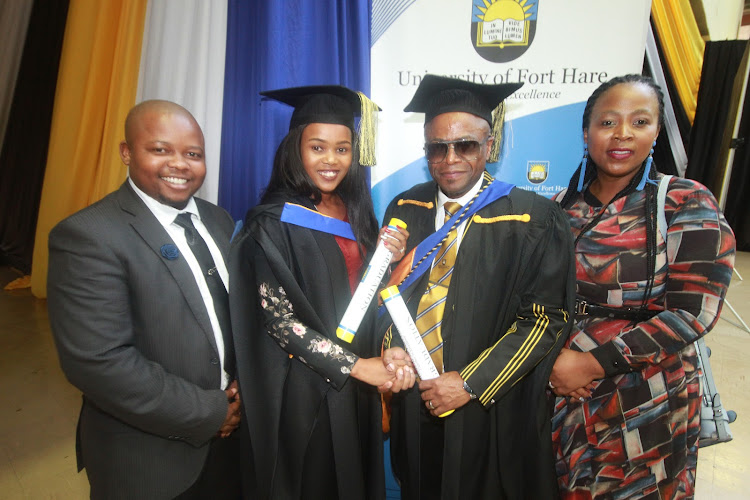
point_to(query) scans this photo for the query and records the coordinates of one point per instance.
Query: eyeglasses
(435, 152)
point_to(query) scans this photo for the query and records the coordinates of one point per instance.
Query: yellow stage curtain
(96, 86)
(683, 47)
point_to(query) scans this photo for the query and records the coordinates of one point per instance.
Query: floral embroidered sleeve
(317, 351)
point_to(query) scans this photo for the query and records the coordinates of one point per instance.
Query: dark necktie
(215, 285)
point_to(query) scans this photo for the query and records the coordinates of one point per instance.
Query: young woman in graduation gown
(629, 424)
(312, 413)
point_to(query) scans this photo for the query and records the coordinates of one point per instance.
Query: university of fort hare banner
(560, 50)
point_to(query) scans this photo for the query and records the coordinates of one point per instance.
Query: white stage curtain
(182, 60)
(14, 21)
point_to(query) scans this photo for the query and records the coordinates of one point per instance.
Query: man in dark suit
(137, 304)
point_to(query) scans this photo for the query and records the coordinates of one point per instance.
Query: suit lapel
(145, 224)
(214, 229)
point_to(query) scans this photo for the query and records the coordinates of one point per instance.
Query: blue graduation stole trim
(496, 190)
(304, 217)
(237, 228)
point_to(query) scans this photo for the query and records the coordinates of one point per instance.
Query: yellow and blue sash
(311, 219)
(424, 254)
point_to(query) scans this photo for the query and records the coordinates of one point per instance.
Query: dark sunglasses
(435, 152)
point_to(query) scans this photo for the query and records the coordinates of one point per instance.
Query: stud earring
(582, 174)
(646, 170)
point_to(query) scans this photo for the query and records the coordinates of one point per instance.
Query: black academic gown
(504, 325)
(288, 395)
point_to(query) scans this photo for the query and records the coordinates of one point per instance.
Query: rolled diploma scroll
(420, 356)
(367, 288)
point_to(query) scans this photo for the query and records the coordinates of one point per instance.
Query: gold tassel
(368, 125)
(498, 120)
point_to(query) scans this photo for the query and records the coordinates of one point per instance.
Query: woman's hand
(581, 394)
(397, 360)
(395, 241)
(373, 371)
(573, 374)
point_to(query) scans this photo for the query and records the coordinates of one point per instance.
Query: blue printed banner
(560, 51)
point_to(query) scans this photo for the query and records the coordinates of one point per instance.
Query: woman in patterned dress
(628, 419)
(310, 405)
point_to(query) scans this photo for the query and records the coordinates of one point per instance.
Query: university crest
(502, 30)
(536, 171)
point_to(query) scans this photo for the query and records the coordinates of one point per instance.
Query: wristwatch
(468, 389)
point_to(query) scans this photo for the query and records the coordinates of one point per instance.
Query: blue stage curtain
(282, 43)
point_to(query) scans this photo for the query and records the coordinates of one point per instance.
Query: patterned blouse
(638, 433)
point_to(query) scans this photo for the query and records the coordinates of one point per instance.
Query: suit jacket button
(214, 361)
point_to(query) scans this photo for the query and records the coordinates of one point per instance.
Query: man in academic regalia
(490, 285)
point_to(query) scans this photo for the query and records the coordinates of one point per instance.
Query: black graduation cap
(334, 104)
(440, 94)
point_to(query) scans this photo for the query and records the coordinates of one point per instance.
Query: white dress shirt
(442, 199)
(166, 216)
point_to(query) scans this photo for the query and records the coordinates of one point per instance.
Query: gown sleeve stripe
(471, 367)
(519, 357)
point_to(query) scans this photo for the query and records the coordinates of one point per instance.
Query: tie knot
(451, 208)
(184, 220)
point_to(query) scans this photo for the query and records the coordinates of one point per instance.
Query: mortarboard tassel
(498, 120)
(368, 124)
